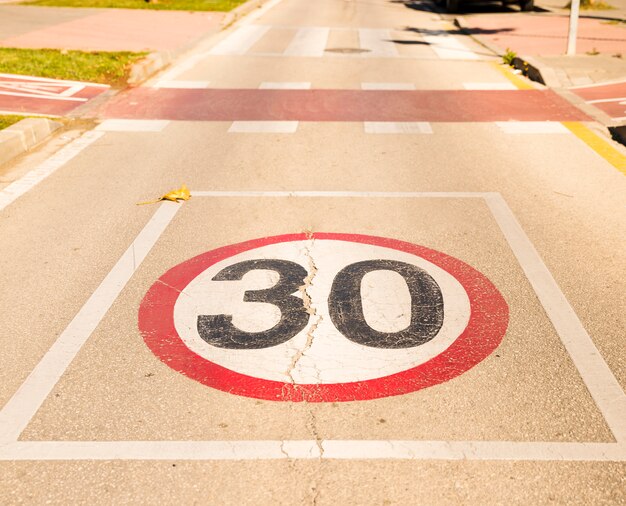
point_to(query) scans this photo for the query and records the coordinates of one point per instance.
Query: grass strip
(101, 67)
(172, 5)
(6, 120)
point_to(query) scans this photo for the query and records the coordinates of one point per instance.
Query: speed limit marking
(322, 317)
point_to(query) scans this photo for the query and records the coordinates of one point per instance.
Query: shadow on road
(469, 7)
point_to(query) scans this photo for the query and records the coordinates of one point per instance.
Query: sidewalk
(103, 29)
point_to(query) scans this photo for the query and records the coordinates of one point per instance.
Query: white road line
(18, 412)
(172, 83)
(58, 160)
(595, 85)
(489, 86)
(311, 449)
(448, 47)
(53, 81)
(603, 100)
(43, 97)
(339, 194)
(602, 385)
(132, 125)
(390, 127)
(308, 42)
(388, 86)
(378, 42)
(532, 127)
(285, 86)
(240, 41)
(264, 127)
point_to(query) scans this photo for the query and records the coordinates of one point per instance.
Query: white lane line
(44, 97)
(308, 42)
(602, 385)
(378, 42)
(489, 86)
(532, 127)
(390, 127)
(603, 100)
(336, 194)
(18, 412)
(172, 83)
(43, 170)
(240, 41)
(264, 127)
(448, 47)
(266, 85)
(311, 449)
(595, 85)
(52, 81)
(388, 86)
(132, 125)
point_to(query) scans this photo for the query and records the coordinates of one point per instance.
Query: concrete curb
(148, 66)
(534, 70)
(24, 135)
(244, 9)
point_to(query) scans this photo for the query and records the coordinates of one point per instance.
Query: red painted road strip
(341, 105)
(483, 334)
(54, 97)
(613, 96)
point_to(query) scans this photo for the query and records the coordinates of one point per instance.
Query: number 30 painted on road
(379, 317)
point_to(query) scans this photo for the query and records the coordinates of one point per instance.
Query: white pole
(573, 28)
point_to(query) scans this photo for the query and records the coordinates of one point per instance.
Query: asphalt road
(399, 280)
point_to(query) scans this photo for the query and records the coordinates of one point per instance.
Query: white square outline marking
(598, 378)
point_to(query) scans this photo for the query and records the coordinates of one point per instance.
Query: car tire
(452, 6)
(527, 5)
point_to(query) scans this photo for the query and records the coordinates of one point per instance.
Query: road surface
(398, 280)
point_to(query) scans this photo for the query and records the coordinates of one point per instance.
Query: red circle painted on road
(488, 321)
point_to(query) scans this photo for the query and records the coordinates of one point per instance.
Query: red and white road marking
(40, 95)
(321, 361)
(602, 385)
(609, 98)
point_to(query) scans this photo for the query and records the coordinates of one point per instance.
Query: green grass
(175, 5)
(8, 120)
(592, 5)
(509, 56)
(97, 67)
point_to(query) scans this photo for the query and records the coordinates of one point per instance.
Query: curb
(24, 135)
(531, 68)
(239, 12)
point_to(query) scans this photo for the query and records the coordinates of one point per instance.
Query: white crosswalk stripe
(308, 42)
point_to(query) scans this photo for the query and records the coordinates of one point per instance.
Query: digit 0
(345, 305)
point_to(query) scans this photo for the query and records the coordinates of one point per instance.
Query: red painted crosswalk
(340, 105)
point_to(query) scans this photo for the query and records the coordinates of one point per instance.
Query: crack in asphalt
(310, 309)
